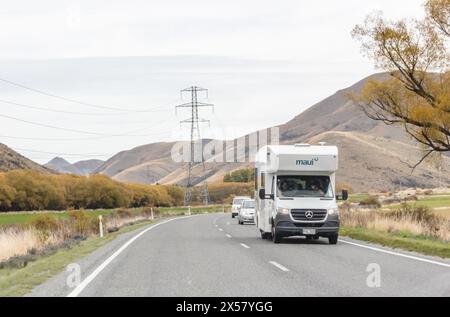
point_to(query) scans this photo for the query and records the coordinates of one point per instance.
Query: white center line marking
(102, 266)
(278, 265)
(245, 246)
(216, 226)
(397, 254)
(229, 236)
(220, 229)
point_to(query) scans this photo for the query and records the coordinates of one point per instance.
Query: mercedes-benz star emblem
(309, 214)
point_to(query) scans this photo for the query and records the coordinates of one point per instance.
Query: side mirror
(344, 194)
(262, 194)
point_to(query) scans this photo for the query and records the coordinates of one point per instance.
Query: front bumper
(285, 227)
(247, 219)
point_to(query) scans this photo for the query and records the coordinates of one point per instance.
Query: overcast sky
(263, 61)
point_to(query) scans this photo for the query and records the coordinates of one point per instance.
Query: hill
(79, 168)
(11, 160)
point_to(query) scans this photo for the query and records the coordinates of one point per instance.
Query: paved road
(212, 255)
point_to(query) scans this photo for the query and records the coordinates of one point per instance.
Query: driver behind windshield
(302, 186)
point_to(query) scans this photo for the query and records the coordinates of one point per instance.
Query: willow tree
(417, 94)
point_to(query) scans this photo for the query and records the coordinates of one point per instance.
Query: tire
(333, 240)
(316, 238)
(275, 236)
(232, 216)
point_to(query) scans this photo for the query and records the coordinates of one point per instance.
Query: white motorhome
(295, 188)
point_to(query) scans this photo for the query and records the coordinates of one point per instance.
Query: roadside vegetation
(22, 190)
(39, 233)
(22, 278)
(411, 225)
(223, 193)
(245, 175)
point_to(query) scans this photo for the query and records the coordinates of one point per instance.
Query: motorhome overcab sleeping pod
(296, 192)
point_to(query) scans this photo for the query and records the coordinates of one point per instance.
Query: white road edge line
(278, 265)
(245, 246)
(396, 253)
(229, 236)
(102, 266)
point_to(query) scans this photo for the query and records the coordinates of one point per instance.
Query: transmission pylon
(195, 141)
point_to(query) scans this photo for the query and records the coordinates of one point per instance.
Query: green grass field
(354, 198)
(431, 202)
(17, 218)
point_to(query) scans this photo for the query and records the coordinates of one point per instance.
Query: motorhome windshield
(304, 186)
(248, 205)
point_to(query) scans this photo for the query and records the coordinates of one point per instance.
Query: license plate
(309, 232)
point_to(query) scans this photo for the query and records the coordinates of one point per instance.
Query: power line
(65, 154)
(83, 139)
(87, 104)
(66, 129)
(161, 109)
(61, 97)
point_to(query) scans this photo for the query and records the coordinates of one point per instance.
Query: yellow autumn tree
(415, 53)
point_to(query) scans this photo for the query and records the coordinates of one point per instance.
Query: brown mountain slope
(369, 162)
(338, 113)
(123, 166)
(11, 160)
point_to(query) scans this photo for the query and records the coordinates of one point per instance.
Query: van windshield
(238, 201)
(304, 186)
(248, 204)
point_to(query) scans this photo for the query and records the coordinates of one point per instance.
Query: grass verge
(20, 281)
(403, 241)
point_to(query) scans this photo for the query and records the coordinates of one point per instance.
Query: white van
(247, 212)
(236, 204)
(295, 192)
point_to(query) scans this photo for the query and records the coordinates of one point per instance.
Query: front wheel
(333, 240)
(275, 236)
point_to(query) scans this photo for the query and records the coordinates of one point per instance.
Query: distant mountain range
(60, 165)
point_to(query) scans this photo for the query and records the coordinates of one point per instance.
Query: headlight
(283, 211)
(333, 211)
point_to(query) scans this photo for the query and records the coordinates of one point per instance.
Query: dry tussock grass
(417, 221)
(47, 231)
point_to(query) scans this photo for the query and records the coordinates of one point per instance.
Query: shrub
(245, 175)
(419, 214)
(123, 213)
(82, 223)
(46, 223)
(371, 201)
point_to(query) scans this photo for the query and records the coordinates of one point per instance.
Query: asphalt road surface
(211, 255)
